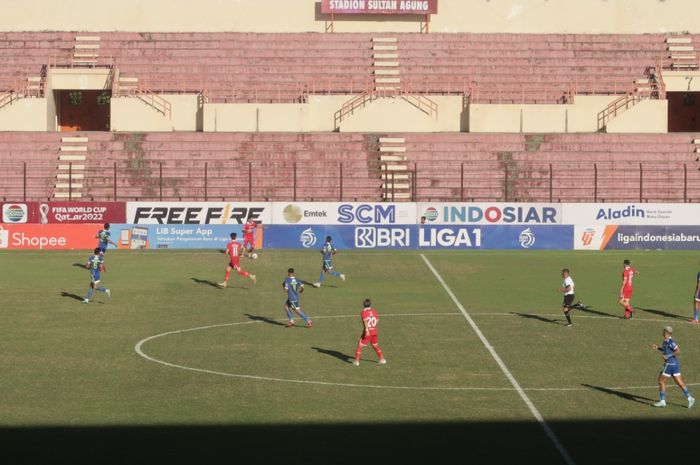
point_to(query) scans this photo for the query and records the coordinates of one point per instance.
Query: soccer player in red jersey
(249, 236)
(628, 273)
(369, 333)
(234, 250)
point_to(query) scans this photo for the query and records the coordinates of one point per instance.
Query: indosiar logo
(308, 238)
(431, 214)
(527, 239)
(14, 213)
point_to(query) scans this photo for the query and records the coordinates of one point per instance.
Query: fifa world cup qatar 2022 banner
(63, 212)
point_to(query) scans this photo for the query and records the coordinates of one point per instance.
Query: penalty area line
(514, 382)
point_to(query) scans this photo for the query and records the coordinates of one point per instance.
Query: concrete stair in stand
(396, 183)
(385, 64)
(682, 53)
(86, 50)
(72, 162)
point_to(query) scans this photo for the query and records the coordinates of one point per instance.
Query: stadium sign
(488, 213)
(384, 7)
(174, 213)
(606, 237)
(330, 213)
(631, 213)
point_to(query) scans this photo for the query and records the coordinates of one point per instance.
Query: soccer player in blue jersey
(672, 368)
(696, 300)
(293, 288)
(328, 251)
(96, 266)
(103, 235)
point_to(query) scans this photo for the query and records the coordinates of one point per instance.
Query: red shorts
(235, 264)
(249, 240)
(371, 339)
(627, 293)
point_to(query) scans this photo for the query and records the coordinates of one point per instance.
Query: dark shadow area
(206, 282)
(532, 316)
(80, 265)
(264, 319)
(72, 296)
(623, 395)
(632, 442)
(596, 312)
(334, 353)
(662, 313)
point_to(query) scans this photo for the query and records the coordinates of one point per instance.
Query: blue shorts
(327, 265)
(95, 277)
(292, 305)
(103, 247)
(669, 370)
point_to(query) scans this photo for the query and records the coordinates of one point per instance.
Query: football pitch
(480, 366)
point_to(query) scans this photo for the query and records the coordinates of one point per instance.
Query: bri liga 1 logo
(308, 238)
(14, 213)
(527, 238)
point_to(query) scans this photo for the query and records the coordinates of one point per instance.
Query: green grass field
(243, 386)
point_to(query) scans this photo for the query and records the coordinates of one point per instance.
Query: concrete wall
(383, 115)
(26, 114)
(79, 79)
(682, 81)
(132, 114)
(533, 16)
(647, 116)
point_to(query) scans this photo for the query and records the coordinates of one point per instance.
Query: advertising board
(489, 213)
(63, 212)
(174, 213)
(670, 214)
(336, 213)
(48, 236)
(625, 237)
(180, 236)
(408, 237)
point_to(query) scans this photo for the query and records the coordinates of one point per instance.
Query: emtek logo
(366, 214)
(308, 238)
(370, 237)
(631, 211)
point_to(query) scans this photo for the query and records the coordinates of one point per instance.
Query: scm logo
(365, 214)
(371, 237)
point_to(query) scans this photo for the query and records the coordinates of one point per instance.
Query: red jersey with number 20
(627, 275)
(233, 250)
(371, 318)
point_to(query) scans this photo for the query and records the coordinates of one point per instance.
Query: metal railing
(185, 179)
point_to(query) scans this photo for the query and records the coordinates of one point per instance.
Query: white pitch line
(536, 413)
(139, 350)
